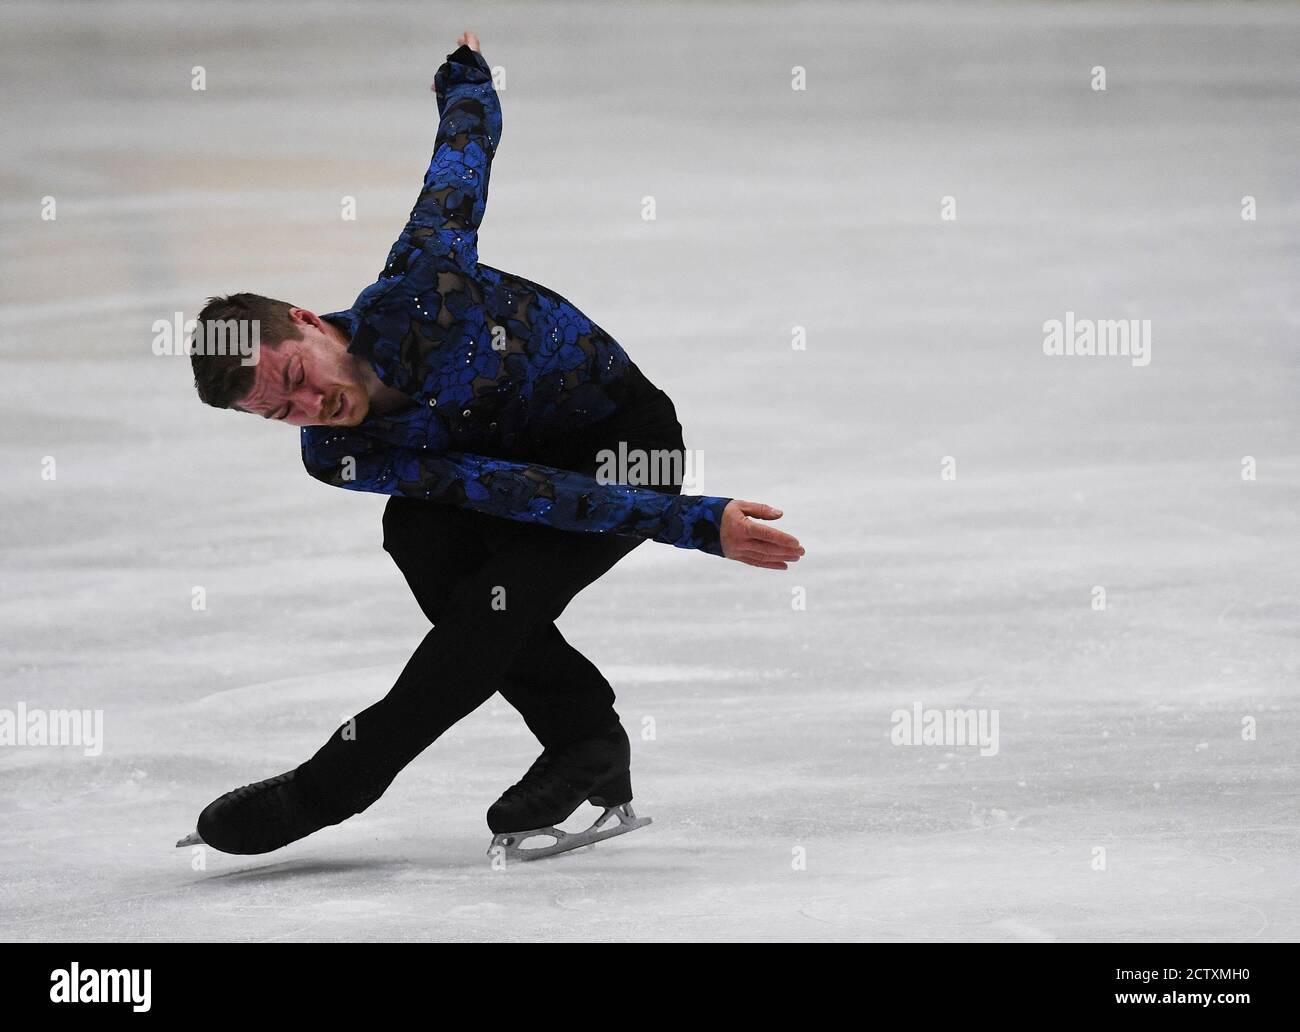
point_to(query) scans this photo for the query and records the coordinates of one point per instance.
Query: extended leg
(464, 658)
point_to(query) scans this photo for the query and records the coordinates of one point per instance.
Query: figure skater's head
(255, 354)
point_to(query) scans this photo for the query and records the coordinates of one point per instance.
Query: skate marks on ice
(898, 848)
(305, 899)
(912, 846)
(327, 698)
(943, 889)
(306, 695)
(309, 693)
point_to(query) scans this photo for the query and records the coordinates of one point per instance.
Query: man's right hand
(753, 543)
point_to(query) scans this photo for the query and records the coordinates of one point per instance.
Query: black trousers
(492, 588)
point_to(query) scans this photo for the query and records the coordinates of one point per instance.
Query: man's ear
(303, 317)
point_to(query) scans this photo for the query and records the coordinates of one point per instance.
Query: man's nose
(312, 401)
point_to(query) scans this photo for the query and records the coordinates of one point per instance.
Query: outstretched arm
(529, 492)
(534, 493)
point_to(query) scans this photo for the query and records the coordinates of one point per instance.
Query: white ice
(761, 733)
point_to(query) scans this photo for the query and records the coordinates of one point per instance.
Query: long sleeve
(456, 186)
(443, 227)
(529, 492)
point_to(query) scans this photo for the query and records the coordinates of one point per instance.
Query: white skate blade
(192, 839)
(511, 844)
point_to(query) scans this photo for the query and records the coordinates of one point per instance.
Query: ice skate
(511, 844)
(595, 770)
(260, 817)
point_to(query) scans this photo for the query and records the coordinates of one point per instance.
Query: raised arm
(456, 186)
(529, 492)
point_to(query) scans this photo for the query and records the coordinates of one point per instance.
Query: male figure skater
(479, 401)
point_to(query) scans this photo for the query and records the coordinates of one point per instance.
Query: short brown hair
(222, 379)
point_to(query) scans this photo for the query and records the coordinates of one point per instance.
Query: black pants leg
(558, 691)
(463, 659)
(477, 647)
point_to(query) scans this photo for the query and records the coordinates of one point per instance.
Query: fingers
(767, 557)
(754, 543)
(752, 560)
(768, 552)
(759, 510)
(771, 543)
(769, 535)
(778, 539)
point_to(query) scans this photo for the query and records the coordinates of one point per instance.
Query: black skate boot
(593, 769)
(263, 816)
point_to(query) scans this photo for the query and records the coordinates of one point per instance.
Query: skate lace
(259, 791)
(535, 782)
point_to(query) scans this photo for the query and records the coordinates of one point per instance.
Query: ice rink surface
(761, 733)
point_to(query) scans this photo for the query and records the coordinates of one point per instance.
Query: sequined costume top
(498, 366)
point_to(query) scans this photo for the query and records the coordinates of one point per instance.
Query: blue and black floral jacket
(497, 364)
